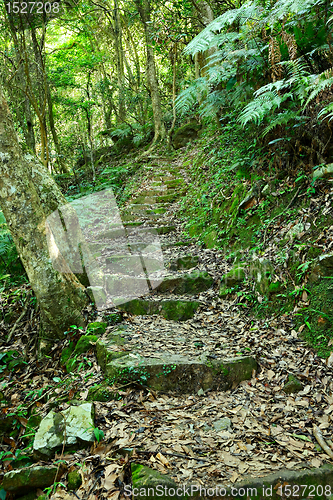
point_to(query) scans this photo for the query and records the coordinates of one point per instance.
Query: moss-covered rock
(233, 277)
(29, 496)
(293, 385)
(211, 239)
(96, 328)
(85, 343)
(149, 483)
(7, 424)
(184, 134)
(102, 393)
(181, 374)
(30, 478)
(178, 310)
(182, 263)
(74, 480)
(193, 283)
(67, 352)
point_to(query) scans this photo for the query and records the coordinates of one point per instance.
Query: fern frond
(190, 96)
(322, 82)
(326, 112)
(258, 108)
(284, 8)
(203, 41)
(281, 119)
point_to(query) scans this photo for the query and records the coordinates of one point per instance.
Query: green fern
(189, 97)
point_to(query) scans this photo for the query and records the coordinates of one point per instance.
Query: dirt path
(220, 414)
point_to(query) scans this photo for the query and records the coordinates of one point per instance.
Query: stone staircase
(150, 272)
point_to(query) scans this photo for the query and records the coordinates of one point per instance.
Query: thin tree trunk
(62, 167)
(144, 11)
(120, 61)
(22, 190)
(174, 66)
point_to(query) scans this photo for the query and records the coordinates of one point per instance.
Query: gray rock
(22, 480)
(296, 230)
(325, 171)
(76, 423)
(222, 424)
(265, 190)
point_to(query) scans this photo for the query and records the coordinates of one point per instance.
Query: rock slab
(74, 424)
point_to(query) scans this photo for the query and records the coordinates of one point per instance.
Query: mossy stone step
(170, 309)
(129, 264)
(185, 262)
(130, 217)
(178, 373)
(174, 183)
(167, 198)
(144, 199)
(193, 283)
(105, 347)
(139, 208)
(111, 233)
(133, 224)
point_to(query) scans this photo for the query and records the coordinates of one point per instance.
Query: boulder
(325, 171)
(74, 480)
(76, 424)
(29, 478)
(184, 134)
(234, 277)
(96, 328)
(149, 483)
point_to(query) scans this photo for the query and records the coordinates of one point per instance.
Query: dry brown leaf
(162, 459)
(234, 477)
(315, 462)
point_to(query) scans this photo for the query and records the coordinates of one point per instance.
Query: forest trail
(226, 411)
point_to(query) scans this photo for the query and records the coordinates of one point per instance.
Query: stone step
(134, 231)
(131, 278)
(193, 283)
(185, 262)
(133, 224)
(167, 198)
(127, 216)
(145, 199)
(138, 208)
(131, 264)
(168, 372)
(170, 309)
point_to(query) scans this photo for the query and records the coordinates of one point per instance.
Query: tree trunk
(118, 45)
(62, 167)
(144, 11)
(27, 196)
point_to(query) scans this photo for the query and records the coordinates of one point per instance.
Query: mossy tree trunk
(28, 195)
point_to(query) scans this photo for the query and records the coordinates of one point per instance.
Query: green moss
(74, 480)
(293, 385)
(318, 317)
(66, 353)
(84, 343)
(96, 328)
